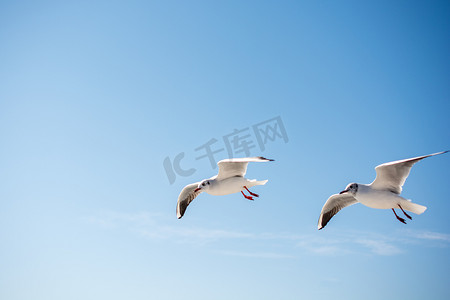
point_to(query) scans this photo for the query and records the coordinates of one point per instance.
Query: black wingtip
(442, 152)
(320, 226)
(269, 159)
(438, 153)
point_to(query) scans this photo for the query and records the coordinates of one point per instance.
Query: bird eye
(203, 184)
(208, 182)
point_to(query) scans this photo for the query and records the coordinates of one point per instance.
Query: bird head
(351, 188)
(203, 185)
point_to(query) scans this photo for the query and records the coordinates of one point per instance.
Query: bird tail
(261, 182)
(413, 207)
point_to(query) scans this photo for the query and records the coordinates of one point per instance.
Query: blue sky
(96, 95)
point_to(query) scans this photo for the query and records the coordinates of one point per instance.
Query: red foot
(409, 217)
(253, 194)
(398, 218)
(246, 197)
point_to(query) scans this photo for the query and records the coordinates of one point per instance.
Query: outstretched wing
(392, 175)
(236, 166)
(333, 205)
(185, 198)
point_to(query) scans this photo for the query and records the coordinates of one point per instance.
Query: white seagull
(229, 180)
(383, 192)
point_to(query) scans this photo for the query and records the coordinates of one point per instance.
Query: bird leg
(247, 197)
(409, 217)
(398, 218)
(253, 194)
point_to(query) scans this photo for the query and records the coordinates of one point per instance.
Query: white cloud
(323, 245)
(428, 235)
(154, 226)
(256, 254)
(158, 227)
(380, 247)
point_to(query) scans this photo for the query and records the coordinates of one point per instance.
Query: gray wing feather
(333, 205)
(185, 198)
(392, 175)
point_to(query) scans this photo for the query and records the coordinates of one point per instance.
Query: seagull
(383, 192)
(229, 180)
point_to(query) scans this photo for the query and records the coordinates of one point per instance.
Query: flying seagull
(229, 180)
(383, 192)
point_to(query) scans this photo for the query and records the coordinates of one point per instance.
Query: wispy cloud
(344, 243)
(270, 255)
(158, 227)
(324, 246)
(192, 235)
(428, 235)
(380, 247)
